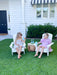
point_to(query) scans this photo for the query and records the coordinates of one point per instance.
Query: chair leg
(24, 52)
(12, 53)
(47, 53)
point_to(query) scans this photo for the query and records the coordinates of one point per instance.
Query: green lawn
(27, 65)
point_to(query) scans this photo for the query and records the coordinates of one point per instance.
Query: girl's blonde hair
(18, 35)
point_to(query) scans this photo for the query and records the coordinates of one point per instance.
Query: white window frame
(43, 12)
(48, 12)
(54, 12)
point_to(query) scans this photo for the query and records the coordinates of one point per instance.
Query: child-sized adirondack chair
(13, 43)
(46, 50)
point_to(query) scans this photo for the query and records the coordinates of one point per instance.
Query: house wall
(15, 7)
(55, 23)
(14, 14)
(4, 4)
(30, 15)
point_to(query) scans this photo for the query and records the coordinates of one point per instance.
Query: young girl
(18, 44)
(44, 42)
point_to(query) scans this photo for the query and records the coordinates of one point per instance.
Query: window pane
(38, 11)
(52, 10)
(45, 10)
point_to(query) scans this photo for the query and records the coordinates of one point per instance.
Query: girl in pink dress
(44, 42)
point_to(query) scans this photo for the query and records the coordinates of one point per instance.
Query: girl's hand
(17, 44)
(23, 41)
(39, 42)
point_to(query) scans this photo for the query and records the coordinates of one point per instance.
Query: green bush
(36, 31)
(56, 30)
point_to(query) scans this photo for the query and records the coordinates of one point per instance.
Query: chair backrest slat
(14, 37)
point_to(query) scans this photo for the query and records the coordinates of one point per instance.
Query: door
(3, 22)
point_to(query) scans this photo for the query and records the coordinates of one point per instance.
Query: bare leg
(19, 53)
(41, 52)
(37, 51)
(17, 50)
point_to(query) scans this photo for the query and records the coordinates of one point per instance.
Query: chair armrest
(50, 45)
(24, 45)
(11, 45)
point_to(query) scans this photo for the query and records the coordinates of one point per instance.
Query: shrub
(56, 30)
(36, 31)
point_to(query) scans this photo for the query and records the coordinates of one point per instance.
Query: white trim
(52, 1)
(45, 1)
(23, 20)
(32, 1)
(49, 1)
(56, 0)
(39, 1)
(54, 13)
(42, 1)
(49, 11)
(42, 11)
(36, 2)
(47, 14)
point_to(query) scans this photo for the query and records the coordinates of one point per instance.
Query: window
(38, 11)
(45, 10)
(52, 10)
(48, 10)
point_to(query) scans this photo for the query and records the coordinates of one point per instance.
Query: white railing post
(23, 17)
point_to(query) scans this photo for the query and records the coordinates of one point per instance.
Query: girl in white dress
(18, 44)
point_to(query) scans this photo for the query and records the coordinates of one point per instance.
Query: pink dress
(45, 42)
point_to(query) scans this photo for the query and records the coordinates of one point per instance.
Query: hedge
(36, 31)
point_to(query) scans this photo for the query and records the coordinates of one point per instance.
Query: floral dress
(19, 42)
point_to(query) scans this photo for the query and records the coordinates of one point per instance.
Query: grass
(27, 65)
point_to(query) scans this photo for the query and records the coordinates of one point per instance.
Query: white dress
(19, 42)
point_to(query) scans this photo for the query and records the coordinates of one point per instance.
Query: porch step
(3, 37)
(3, 33)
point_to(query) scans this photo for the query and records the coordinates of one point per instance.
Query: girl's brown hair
(18, 35)
(47, 34)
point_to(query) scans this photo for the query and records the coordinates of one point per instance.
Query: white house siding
(16, 17)
(56, 16)
(17, 20)
(30, 15)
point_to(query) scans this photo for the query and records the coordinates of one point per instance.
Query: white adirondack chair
(13, 48)
(46, 50)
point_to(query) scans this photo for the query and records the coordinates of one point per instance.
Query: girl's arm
(23, 40)
(39, 42)
(15, 42)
